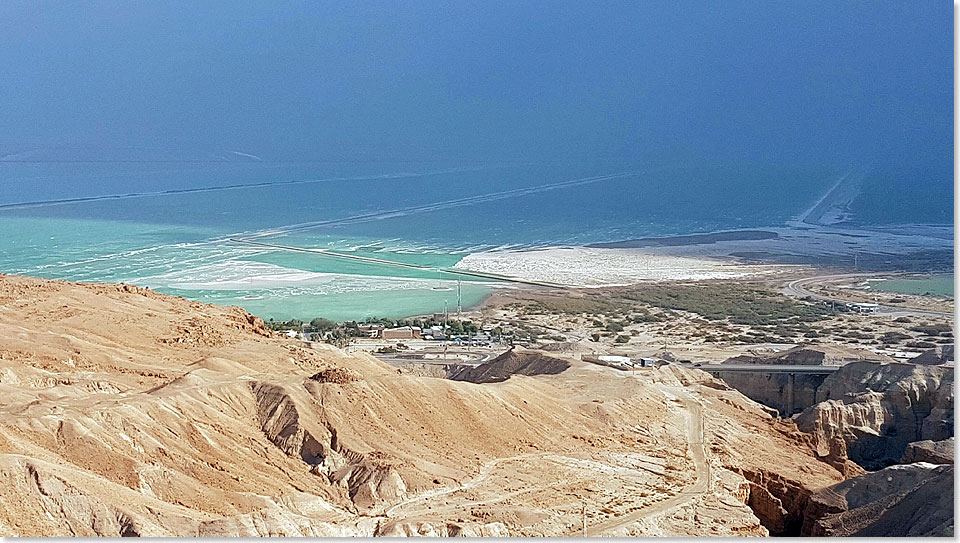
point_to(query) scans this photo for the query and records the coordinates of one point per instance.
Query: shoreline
(758, 253)
(686, 239)
(730, 254)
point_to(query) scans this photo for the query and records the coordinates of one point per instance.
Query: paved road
(694, 423)
(768, 368)
(798, 289)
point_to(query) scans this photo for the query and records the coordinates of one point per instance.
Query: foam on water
(171, 230)
(232, 275)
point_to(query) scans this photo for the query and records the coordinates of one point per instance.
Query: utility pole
(459, 305)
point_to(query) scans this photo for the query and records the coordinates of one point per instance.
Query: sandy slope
(129, 412)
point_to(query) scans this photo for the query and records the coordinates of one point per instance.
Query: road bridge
(768, 368)
(790, 370)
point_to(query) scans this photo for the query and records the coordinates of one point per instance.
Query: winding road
(693, 416)
(427, 502)
(798, 289)
(430, 495)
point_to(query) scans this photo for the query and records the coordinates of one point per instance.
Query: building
(435, 332)
(615, 358)
(372, 330)
(646, 362)
(403, 332)
(863, 307)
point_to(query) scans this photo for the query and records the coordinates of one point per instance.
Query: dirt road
(431, 495)
(694, 425)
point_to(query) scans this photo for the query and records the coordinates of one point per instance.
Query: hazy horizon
(826, 82)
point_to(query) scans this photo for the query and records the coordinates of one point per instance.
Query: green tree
(322, 324)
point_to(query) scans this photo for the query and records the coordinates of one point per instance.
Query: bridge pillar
(791, 377)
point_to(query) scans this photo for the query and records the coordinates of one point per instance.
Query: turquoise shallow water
(936, 285)
(137, 224)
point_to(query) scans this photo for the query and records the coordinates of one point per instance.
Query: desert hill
(128, 412)
(509, 364)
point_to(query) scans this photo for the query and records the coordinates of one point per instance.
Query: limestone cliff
(879, 408)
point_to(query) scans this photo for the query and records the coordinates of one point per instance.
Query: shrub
(934, 329)
(746, 305)
(893, 337)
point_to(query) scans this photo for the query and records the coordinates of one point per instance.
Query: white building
(863, 307)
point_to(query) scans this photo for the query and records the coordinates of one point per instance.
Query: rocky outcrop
(879, 408)
(512, 362)
(370, 479)
(808, 355)
(933, 452)
(778, 502)
(450, 529)
(913, 500)
(941, 354)
(280, 422)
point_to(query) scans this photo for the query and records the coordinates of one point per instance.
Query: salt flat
(589, 267)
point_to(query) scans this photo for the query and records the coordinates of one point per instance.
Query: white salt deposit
(588, 267)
